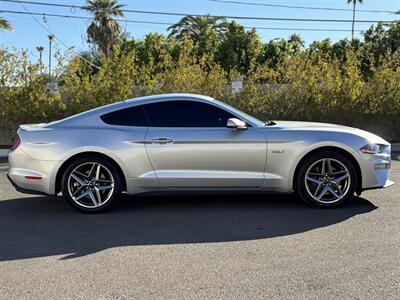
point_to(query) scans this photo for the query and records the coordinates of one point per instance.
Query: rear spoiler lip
(33, 127)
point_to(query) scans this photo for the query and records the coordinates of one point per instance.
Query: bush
(24, 95)
(310, 86)
(113, 82)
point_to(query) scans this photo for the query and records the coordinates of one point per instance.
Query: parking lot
(237, 246)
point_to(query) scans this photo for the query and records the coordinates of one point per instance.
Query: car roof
(175, 96)
(93, 114)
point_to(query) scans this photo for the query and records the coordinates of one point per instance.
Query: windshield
(245, 116)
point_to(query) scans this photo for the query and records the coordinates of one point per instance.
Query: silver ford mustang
(184, 142)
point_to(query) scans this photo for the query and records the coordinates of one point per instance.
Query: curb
(3, 152)
(396, 147)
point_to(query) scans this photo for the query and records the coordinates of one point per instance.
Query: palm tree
(354, 13)
(4, 24)
(51, 39)
(40, 49)
(197, 27)
(104, 31)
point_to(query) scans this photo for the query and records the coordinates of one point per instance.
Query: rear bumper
(22, 190)
(24, 173)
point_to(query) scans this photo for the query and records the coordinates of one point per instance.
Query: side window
(186, 114)
(131, 116)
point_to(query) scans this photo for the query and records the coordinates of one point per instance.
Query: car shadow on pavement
(44, 226)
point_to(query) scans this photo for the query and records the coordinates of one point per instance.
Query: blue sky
(28, 33)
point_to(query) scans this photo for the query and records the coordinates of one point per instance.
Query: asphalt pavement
(203, 247)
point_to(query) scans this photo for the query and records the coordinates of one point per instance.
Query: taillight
(16, 144)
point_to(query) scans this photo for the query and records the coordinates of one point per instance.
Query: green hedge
(306, 86)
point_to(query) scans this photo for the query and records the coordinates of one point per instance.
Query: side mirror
(236, 124)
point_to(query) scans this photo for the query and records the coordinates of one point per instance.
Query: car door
(190, 146)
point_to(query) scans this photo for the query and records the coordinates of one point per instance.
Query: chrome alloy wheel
(327, 180)
(90, 185)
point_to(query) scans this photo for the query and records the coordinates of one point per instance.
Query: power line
(202, 15)
(75, 17)
(302, 29)
(169, 23)
(300, 7)
(59, 40)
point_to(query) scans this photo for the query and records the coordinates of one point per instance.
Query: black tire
(112, 196)
(304, 188)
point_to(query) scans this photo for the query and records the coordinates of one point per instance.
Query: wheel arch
(336, 149)
(66, 163)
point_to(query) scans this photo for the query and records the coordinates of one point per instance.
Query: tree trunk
(354, 18)
(49, 58)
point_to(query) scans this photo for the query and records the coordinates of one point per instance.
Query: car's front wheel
(326, 179)
(91, 184)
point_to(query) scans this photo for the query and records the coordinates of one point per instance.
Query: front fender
(314, 147)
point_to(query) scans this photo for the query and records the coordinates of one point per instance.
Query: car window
(186, 114)
(241, 114)
(132, 116)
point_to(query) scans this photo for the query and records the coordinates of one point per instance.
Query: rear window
(132, 116)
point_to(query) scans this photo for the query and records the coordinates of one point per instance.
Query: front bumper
(375, 170)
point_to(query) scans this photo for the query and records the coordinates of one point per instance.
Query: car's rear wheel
(91, 184)
(326, 179)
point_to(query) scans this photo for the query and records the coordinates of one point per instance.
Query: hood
(327, 127)
(299, 124)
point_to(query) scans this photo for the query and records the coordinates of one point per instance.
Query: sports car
(190, 143)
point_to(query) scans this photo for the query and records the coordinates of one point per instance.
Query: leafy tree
(24, 96)
(354, 2)
(104, 31)
(4, 24)
(296, 43)
(343, 46)
(113, 82)
(239, 49)
(393, 37)
(186, 78)
(323, 47)
(154, 52)
(184, 52)
(275, 53)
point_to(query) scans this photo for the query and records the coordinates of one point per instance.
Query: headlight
(373, 148)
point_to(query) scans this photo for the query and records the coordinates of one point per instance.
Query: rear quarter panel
(59, 143)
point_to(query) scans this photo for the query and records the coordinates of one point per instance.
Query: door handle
(162, 140)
